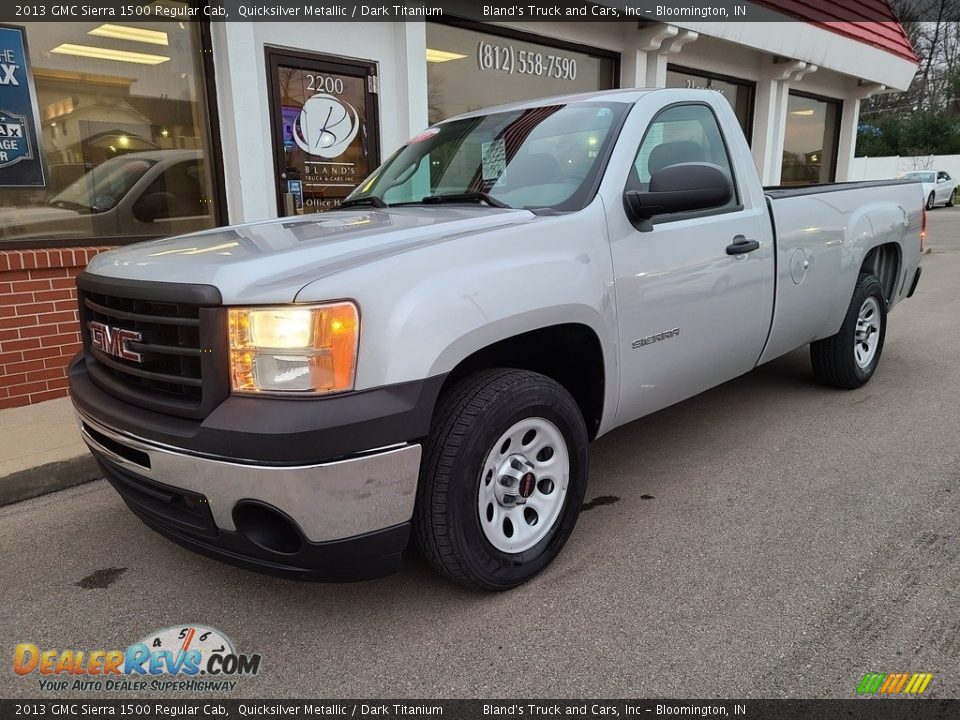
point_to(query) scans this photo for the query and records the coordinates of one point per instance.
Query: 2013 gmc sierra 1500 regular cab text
(300, 395)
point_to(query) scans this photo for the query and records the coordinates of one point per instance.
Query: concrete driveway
(768, 538)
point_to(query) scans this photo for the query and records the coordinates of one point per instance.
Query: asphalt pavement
(768, 538)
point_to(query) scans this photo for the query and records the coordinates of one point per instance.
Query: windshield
(545, 157)
(104, 186)
(927, 177)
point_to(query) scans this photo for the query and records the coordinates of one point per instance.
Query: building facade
(137, 131)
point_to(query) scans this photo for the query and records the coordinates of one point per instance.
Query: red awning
(868, 21)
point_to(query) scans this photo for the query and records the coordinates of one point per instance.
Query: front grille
(170, 347)
(181, 346)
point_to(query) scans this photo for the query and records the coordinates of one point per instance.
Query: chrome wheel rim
(867, 336)
(523, 485)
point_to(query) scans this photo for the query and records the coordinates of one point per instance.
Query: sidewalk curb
(48, 478)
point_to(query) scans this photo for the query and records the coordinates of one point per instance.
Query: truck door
(694, 292)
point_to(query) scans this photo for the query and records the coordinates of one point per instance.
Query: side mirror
(680, 188)
(153, 206)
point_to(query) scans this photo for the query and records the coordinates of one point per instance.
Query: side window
(680, 134)
(177, 192)
(943, 176)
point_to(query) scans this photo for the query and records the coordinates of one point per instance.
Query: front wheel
(849, 358)
(953, 198)
(931, 201)
(502, 479)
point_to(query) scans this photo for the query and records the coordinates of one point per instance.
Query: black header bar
(15, 11)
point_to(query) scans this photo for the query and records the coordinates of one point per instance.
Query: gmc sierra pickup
(299, 396)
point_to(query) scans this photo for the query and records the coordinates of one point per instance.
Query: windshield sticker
(493, 157)
(425, 135)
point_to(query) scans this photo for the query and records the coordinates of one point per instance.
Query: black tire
(469, 419)
(952, 200)
(833, 358)
(931, 201)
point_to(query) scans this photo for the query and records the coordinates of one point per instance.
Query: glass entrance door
(323, 115)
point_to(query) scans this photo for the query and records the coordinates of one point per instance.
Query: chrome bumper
(329, 501)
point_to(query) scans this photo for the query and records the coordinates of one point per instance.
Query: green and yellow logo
(894, 683)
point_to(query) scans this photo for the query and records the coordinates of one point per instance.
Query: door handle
(741, 245)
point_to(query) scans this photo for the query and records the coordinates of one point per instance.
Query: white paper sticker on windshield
(493, 158)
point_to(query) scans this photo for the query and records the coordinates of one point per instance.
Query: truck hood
(271, 261)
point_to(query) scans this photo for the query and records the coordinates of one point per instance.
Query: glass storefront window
(811, 140)
(739, 93)
(116, 144)
(471, 70)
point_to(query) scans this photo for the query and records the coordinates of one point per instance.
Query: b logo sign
(326, 126)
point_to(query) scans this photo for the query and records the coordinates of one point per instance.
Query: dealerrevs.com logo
(188, 658)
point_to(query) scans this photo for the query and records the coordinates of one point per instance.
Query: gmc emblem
(113, 341)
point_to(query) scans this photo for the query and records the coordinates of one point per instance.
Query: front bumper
(344, 519)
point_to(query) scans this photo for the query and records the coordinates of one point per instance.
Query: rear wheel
(849, 358)
(931, 201)
(502, 479)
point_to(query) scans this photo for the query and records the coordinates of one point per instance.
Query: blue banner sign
(21, 158)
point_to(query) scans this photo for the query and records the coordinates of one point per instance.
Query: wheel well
(883, 261)
(570, 354)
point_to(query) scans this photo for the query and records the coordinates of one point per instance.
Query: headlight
(302, 349)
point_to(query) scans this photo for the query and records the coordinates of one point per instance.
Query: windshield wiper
(371, 200)
(464, 197)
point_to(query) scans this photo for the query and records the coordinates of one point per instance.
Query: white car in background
(938, 187)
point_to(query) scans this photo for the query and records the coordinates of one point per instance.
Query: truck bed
(823, 233)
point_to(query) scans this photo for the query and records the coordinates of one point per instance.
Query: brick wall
(39, 332)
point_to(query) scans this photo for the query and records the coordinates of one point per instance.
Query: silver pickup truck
(299, 396)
